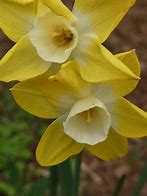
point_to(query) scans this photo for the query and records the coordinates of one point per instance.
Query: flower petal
(127, 119)
(100, 16)
(115, 146)
(119, 87)
(47, 98)
(88, 121)
(69, 76)
(130, 59)
(22, 62)
(23, 2)
(50, 48)
(59, 8)
(97, 63)
(55, 147)
(15, 19)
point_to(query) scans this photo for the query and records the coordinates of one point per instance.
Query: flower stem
(65, 178)
(76, 176)
(53, 185)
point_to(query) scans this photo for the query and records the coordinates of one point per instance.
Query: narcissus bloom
(53, 34)
(94, 116)
(23, 2)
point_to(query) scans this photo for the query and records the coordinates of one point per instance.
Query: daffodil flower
(22, 2)
(92, 116)
(53, 34)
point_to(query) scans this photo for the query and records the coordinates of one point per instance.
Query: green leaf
(39, 188)
(12, 171)
(6, 189)
(53, 183)
(119, 186)
(141, 181)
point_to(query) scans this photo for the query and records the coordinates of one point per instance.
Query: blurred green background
(19, 134)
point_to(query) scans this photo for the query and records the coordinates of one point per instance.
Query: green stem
(65, 178)
(76, 177)
(53, 185)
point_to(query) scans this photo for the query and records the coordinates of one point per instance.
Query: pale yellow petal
(127, 119)
(59, 8)
(97, 63)
(100, 16)
(49, 37)
(15, 19)
(88, 121)
(22, 62)
(115, 146)
(55, 147)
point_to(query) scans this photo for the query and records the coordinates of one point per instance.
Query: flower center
(53, 37)
(62, 37)
(88, 121)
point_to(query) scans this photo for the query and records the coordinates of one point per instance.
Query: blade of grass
(141, 181)
(119, 186)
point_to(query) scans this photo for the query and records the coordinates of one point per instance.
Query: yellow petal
(42, 97)
(97, 63)
(15, 19)
(100, 16)
(130, 59)
(69, 76)
(59, 8)
(23, 2)
(36, 6)
(119, 87)
(39, 8)
(22, 62)
(115, 146)
(124, 87)
(127, 119)
(55, 147)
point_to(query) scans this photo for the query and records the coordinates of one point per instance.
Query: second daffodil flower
(52, 34)
(94, 116)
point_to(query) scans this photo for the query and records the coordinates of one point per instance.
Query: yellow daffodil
(47, 32)
(23, 2)
(92, 116)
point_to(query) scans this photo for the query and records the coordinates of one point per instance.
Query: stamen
(88, 116)
(63, 36)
